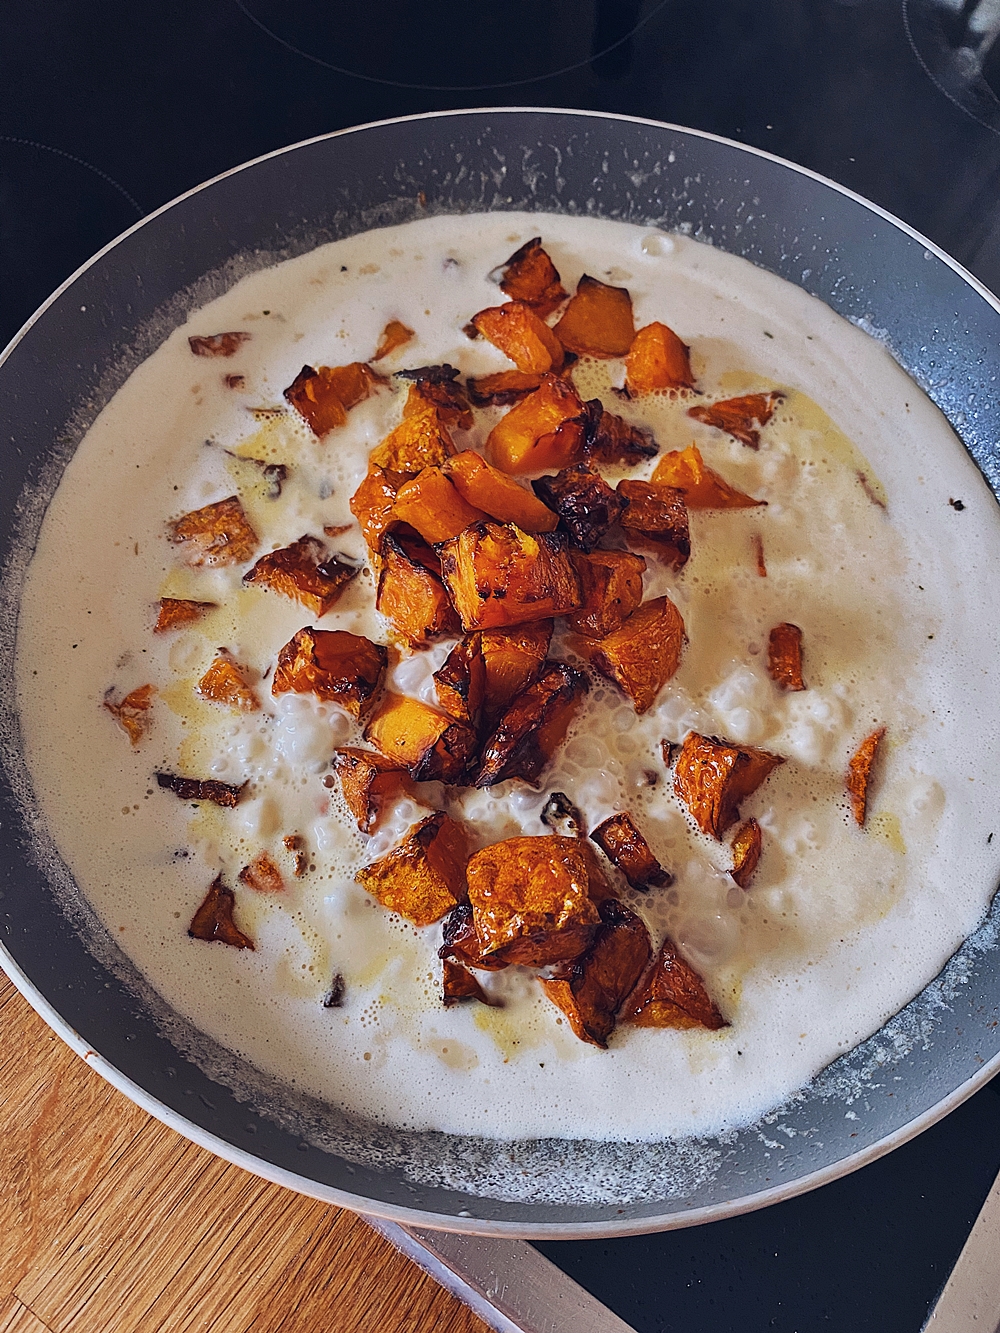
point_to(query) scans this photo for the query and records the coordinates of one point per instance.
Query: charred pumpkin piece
(424, 877)
(218, 344)
(527, 438)
(334, 998)
(513, 659)
(657, 359)
(711, 778)
(218, 534)
(586, 504)
(438, 386)
(459, 984)
(746, 852)
(432, 505)
(192, 789)
(609, 439)
(657, 519)
(225, 683)
(461, 943)
(561, 815)
(643, 654)
(501, 389)
(372, 504)
(742, 418)
(305, 572)
(859, 774)
(530, 276)
(498, 575)
(598, 320)
(784, 656)
(214, 918)
(133, 712)
(498, 495)
(673, 995)
(611, 582)
(178, 612)
(518, 332)
(325, 394)
(461, 682)
(394, 335)
(336, 666)
(758, 549)
(703, 488)
(367, 780)
(625, 847)
(429, 745)
(531, 900)
(420, 440)
(411, 596)
(262, 875)
(295, 845)
(533, 726)
(591, 989)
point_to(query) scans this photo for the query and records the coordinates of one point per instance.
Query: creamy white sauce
(840, 926)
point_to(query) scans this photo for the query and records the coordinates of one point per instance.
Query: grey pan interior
(941, 326)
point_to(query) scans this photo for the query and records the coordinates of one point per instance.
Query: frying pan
(940, 324)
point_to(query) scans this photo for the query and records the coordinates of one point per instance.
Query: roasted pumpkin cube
(498, 495)
(394, 335)
(461, 943)
(611, 582)
(534, 724)
(498, 575)
(531, 277)
(513, 660)
(367, 780)
(712, 777)
(657, 519)
(461, 682)
(431, 746)
(225, 682)
(438, 386)
(214, 918)
(586, 504)
(420, 440)
(741, 417)
(373, 502)
(625, 847)
(304, 571)
(502, 388)
(531, 900)
(591, 989)
(411, 596)
(424, 877)
(643, 654)
(784, 656)
(218, 534)
(194, 789)
(133, 712)
(562, 817)
(703, 488)
(218, 344)
(609, 439)
(323, 395)
(657, 359)
(458, 984)
(673, 995)
(859, 772)
(336, 666)
(432, 505)
(598, 320)
(178, 612)
(518, 332)
(746, 852)
(262, 875)
(528, 439)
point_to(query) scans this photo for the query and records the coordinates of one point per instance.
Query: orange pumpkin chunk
(458, 984)
(513, 659)
(225, 683)
(530, 276)
(497, 494)
(741, 417)
(262, 875)
(367, 780)
(746, 852)
(373, 502)
(218, 344)
(133, 712)
(438, 386)
(431, 746)
(336, 666)
(657, 359)
(544, 431)
(218, 534)
(420, 440)
(643, 654)
(859, 774)
(610, 440)
(305, 572)
(531, 900)
(323, 395)
(432, 505)
(703, 488)
(411, 596)
(394, 335)
(611, 582)
(424, 877)
(498, 575)
(657, 519)
(502, 388)
(461, 943)
(591, 989)
(214, 918)
(176, 612)
(711, 778)
(461, 682)
(518, 332)
(598, 320)
(784, 656)
(534, 724)
(673, 995)
(625, 847)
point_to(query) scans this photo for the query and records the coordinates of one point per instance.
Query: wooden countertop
(112, 1223)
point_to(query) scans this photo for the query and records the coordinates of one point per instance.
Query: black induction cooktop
(111, 109)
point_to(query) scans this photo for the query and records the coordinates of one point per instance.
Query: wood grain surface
(112, 1223)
